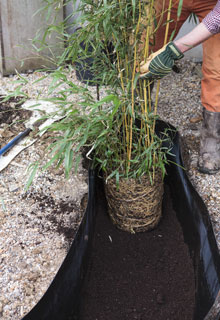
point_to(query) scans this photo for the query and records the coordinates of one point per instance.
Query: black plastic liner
(62, 299)
(197, 230)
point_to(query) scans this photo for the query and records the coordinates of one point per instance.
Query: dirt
(60, 218)
(12, 118)
(145, 276)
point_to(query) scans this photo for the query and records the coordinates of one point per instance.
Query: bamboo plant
(117, 130)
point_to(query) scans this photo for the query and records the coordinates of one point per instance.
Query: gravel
(180, 105)
(37, 226)
(36, 229)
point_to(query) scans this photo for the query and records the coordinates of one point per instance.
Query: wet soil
(143, 276)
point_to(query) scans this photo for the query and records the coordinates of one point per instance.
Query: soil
(143, 276)
(60, 219)
(12, 118)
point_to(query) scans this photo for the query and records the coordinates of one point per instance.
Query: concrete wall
(69, 12)
(18, 26)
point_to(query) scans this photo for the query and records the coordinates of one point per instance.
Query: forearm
(198, 35)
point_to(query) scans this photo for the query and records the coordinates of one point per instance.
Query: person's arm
(161, 62)
(198, 35)
(209, 26)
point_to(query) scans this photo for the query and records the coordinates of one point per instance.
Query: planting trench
(181, 282)
(145, 275)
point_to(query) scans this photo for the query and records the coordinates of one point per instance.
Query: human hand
(160, 63)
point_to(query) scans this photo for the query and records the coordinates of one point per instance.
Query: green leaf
(68, 162)
(179, 10)
(34, 168)
(77, 162)
(136, 79)
(172, 35)
(133, 9)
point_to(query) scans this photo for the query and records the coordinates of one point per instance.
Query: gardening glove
(160, 63)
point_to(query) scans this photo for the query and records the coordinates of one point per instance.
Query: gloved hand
(160, 63)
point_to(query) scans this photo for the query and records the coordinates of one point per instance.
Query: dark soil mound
(145, 276)
(12, 118)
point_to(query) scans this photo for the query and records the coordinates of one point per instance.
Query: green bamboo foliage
(118, 131)
(123, 29)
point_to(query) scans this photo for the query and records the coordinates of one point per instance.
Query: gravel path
(36, 227)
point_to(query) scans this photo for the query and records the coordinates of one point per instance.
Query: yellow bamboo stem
(132, 84)
(158, 83)
(123, 89)
(146, 47)
(147, 141)
(168, 19)
(147, 99)
(146, 87)
(165, 41)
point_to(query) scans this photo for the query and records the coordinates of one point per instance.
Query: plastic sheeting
(62, 299)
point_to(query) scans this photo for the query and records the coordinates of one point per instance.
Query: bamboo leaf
(68, 162)
(179, 10)
(136, 79)
(133, 9)
(32, 175)
(172, 35)
(77, 162)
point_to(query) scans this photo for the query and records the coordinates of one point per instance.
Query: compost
(145, 275)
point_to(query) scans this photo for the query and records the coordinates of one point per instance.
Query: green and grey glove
(160, 63)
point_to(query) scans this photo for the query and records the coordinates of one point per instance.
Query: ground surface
(36, 227)
(12, 118)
